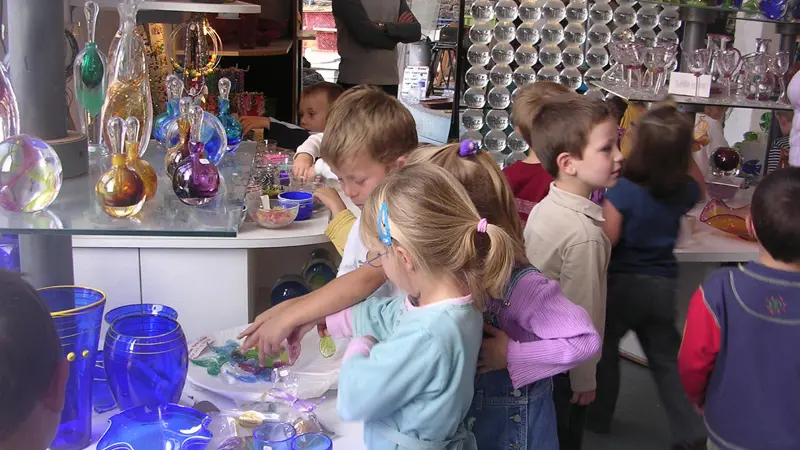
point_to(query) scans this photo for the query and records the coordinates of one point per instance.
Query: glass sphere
(30, 174)
(527, 33)
(571, 78)
(505, 32)
(473, 136)
(669, 19)
(513, 157)
(554, 10)
(481, 33)
(572, 57)
(647, 17)
(552, 33)
(472, 119)
(597, 57)
(500, 75)
(212, 135)
(495, 141)
(482, 10)
(646, 37)
(499, 97)
(548, 73)
(666, 37)
(478, 55)
(526, 55)
(622, 35)
(601, 13)
(624, 17)
(576, 11)
(503, 53)
(516, 143)
(523, 75)
(506, 10)
(599, 34)
(475, 98)
(497, 119)
(499, 158)
(626, 2)
(574, 34)
(550, 55)
(530, 11)
(477, 76)
(593, 74)
(724, 161)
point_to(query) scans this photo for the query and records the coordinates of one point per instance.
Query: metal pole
(455, 119)
(36, 42)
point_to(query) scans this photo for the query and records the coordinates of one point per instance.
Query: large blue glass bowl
(141, 309)
(165, 427)
(77, 313)
(146, 360)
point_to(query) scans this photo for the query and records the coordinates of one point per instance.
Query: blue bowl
(304, 199)
(163, 427)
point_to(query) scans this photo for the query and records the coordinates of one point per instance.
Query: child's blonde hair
(431, 215)
(527, 103)
(366, 119)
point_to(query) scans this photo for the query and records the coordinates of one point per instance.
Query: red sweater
(530, 183)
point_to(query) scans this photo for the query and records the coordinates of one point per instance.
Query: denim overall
(504, 418)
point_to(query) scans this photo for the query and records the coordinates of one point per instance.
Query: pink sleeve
(341, 323)
(566, 336)
(361, 346)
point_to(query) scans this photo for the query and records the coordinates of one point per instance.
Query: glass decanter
(233, 128)
(179, 151)
(196, 180)
(769, 82)
(164, 120)
(90, 81)
(128, 93)
(9, 110)
(135, 162)
(120, 191)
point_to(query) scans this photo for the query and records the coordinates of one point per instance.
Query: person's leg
(569, 417)
(542, 434)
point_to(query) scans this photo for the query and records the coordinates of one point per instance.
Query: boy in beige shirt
(575, 138)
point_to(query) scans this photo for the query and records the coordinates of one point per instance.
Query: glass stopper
(224, 88)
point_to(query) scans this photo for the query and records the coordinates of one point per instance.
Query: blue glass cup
(312, 441)
(77, 313)
(273, 436)
(141, 309)
(102, 398)
(146, 359)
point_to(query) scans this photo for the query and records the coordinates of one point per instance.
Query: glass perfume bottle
(213, 135)
(196, 180)
(120, 191)
(162, 122)
(178, 152)
(135, 162)
(128, 93)
(233, 128)
(90, 80)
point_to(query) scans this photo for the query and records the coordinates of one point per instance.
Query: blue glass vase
(146, 359)
(773, 9)
(163, 120)
(233, 128)
(9, 252)
(77, 313)
(288, 287)
(102, 397)
(141, 309)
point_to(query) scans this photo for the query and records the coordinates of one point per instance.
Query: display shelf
(275, 48)
(741, 14)
(637, 95)
(236, 7)
(76, 212)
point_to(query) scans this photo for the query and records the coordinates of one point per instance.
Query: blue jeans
(504, 418)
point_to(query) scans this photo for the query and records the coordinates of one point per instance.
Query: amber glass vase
(135, 162)
(120, 191)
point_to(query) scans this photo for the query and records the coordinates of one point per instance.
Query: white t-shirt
(311, 145)
(355, 254)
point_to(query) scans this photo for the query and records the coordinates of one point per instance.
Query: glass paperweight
(502, 53)
(527, 33)
(554, 11)
(599, 34)
(9, 110)
(120, 191)
(601, 13)
(526, 55)
(725, 162)
(550, 55)
(89, 75)
(213, 137)
(196, 180)
(548, 73)
(30, 174)
(500, 75)
(523, 75)
(529, 11)
(77, 314)
(135, 162)
(571, 77)
(180, 150)
(576, 11)
(552, 33)
(495, 141)
(475, 98)
(499, 98)
(472, 119)
(574, 34)
(161, 427)
(481, 33)
(497, 119)
(482, 10)
(233, 128)
(162, 122)
(572, 57)
(505, 32)
(478, 55)
(517, 143)
(477, 76)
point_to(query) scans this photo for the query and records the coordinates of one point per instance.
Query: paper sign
(687, 84)
(415, 77)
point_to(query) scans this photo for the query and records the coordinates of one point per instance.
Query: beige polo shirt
(563, 239)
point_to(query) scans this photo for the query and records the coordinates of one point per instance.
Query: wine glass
(615, 75)
(727, 62)
(651, 57)
(698, 62)
(630, 54)
(779, 64)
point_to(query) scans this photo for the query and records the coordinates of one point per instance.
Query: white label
(415, 77)
(265, 202)
(197, 348)
(687, 84)
(704, 86)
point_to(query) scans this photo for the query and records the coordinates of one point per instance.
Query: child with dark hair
(33, 373)
(738, 362)
(642, 219)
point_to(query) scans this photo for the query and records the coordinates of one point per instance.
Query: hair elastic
(482, 224)
(468, 147)
(383, 225)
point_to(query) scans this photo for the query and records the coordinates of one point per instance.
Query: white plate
(315, 374)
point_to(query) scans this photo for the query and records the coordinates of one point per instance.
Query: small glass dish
(164, 427)
(278, 215)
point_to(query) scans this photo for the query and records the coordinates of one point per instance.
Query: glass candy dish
(164, 427)
(729, 220)
(718, 207)
(277, 215)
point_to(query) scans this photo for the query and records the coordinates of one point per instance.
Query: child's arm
(339, 228)
(699, 349)
(352, 15)
(376, 318)
(612, 226)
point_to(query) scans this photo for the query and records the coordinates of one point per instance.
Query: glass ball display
(497, 119)
(475, 97)
(495, 141)
(528, 33)
(599, 34)
(574, 34)
(647, 17)
(503, 53)
(481, 33)
(597, 57)
(601, 13)
(548, 73)
(646, 37)
(482, 10)
(473, 136)
(550, 55)
(500, 75)
(472, 119)
(499, 158)
(506, 10)
(30, 174)
(523, 75)
(554, 10)
(667, 37)
(212, 135)
(505, 32)
(526, 55)
(624, 17)
(552, 33)
(529, 11)
(478, 55)
(571, 78)
(572, 56)
(622, 35)
(499, 97)
(626, 2)
(576, 11)
(477, 76)
(513, 157)
(517, 143)
(669, 19)
(593, 74)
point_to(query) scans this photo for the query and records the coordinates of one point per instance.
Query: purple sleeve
(341, 323)
(361, 346)
(566, 336)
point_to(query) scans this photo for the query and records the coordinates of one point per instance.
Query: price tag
(687, 84)
(415, 77)
(197, 348)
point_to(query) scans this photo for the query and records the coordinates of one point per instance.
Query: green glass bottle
(90, 80)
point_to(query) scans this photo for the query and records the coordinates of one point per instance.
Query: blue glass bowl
(77, 313)
(141, 309)
(9, 252)
(273, 436)
(304, 199)
(102, 397)
(165, 427)
(312, 441)
(146, 360)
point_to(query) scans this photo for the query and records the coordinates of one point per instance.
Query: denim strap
(459, 441)
(516, 275)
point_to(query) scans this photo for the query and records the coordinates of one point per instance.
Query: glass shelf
(637, 95)
(76, 212)
(746, 14)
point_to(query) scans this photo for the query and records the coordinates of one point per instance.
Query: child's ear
(565, 163)
(750, 228)
(404, 259)
(54, 397)
(400, 162)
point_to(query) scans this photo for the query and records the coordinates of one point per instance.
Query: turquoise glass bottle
(233, 128)
(164, 120)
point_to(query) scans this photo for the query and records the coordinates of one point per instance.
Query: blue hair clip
(469, 147)
(383, 225)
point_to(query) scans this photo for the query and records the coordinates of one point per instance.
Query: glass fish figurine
(196, 180)
(233, 128)
(120, 191)
(178, 152)
(164, 120)
(135, 162)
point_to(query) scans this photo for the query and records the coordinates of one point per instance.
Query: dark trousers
(569, 417)
(646, 305)
(390, 89)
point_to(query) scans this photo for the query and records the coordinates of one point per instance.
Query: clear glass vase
(90, 81)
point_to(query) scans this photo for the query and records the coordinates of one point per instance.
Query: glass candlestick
(233, 128)
(135, 162)
(196, 179)
(178, 152)
(90, 80)
(164, 120)
(120, 191)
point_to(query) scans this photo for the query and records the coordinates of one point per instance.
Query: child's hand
(253, 122)
(270, 329)
(494, 350)
(330, 198)
(583, 398)
(303, 166)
